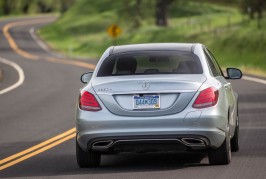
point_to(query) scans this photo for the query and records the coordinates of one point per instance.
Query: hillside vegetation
(25, 7)
(233, 38)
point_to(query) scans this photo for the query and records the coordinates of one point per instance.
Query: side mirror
(86, 77)
(233, 73)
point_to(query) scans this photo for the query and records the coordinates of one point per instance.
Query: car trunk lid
(118, 93)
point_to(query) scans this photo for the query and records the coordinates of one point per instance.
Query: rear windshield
(150, 63)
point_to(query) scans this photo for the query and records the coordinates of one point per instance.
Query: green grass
(82, 31)
(241, 46)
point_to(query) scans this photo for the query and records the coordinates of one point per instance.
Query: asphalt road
(43, 107)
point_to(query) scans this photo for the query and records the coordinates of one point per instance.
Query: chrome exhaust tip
(193, 142)
(102, 144)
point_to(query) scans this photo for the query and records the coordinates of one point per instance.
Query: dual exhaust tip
(191, 142)
(102, 144)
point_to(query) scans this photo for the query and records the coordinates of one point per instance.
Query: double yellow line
(12, 42)
(30, 152)
(27, 55)
(52, 142)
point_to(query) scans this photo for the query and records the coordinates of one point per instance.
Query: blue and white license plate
(146, 102)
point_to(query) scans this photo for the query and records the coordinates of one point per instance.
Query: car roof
(186, 47)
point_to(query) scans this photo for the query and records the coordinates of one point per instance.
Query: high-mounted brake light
(206, 98)
(88, 102)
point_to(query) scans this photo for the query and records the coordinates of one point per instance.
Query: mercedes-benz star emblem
(145, 85)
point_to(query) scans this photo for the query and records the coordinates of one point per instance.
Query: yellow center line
(27, 55)
(37, 151)
(37, 146)
(69, 62)
(54, 141)
(12, 42)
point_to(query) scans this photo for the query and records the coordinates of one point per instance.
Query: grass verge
(232, 39)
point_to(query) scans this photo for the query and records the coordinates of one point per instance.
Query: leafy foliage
(8, 7)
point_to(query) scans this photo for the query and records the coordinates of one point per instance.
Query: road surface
(37, 119)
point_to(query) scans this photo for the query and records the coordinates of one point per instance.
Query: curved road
(43, 108)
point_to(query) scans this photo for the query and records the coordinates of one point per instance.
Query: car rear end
(149, 101)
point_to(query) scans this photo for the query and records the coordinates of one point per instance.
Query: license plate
(146, 102)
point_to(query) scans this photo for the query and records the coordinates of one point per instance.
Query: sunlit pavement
(43, 107)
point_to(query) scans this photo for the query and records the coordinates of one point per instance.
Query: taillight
(88, 102)
(206, 98)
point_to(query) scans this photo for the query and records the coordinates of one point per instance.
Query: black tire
(234, 140)
(222, 155)
(87, 159)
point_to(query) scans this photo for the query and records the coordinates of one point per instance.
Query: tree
(161, 12)
(254, 8)
(65, 5)
(44, 7)
(7, 7)
(25, 6)
(137, 17)
(133, 11)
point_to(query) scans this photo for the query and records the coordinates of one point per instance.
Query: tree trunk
(26, 6)
(259, 17)
(6, 7)
(161, 12)
(65, 5)
(260, 9)
(44, 7)
(137, 18)
(251, 12)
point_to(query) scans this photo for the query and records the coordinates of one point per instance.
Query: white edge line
(257, 80)
(42, 44)
(20, 74)
(45, 47)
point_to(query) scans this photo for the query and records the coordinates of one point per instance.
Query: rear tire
(87, 159)
(234, 140)
(222, 155)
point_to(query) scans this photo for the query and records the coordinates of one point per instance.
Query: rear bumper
(125, 142)
(140, 144)
(208, 125)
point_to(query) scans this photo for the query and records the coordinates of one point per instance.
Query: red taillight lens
(206, 98)
(88, 102)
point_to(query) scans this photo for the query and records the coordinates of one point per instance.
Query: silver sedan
(167, 97)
